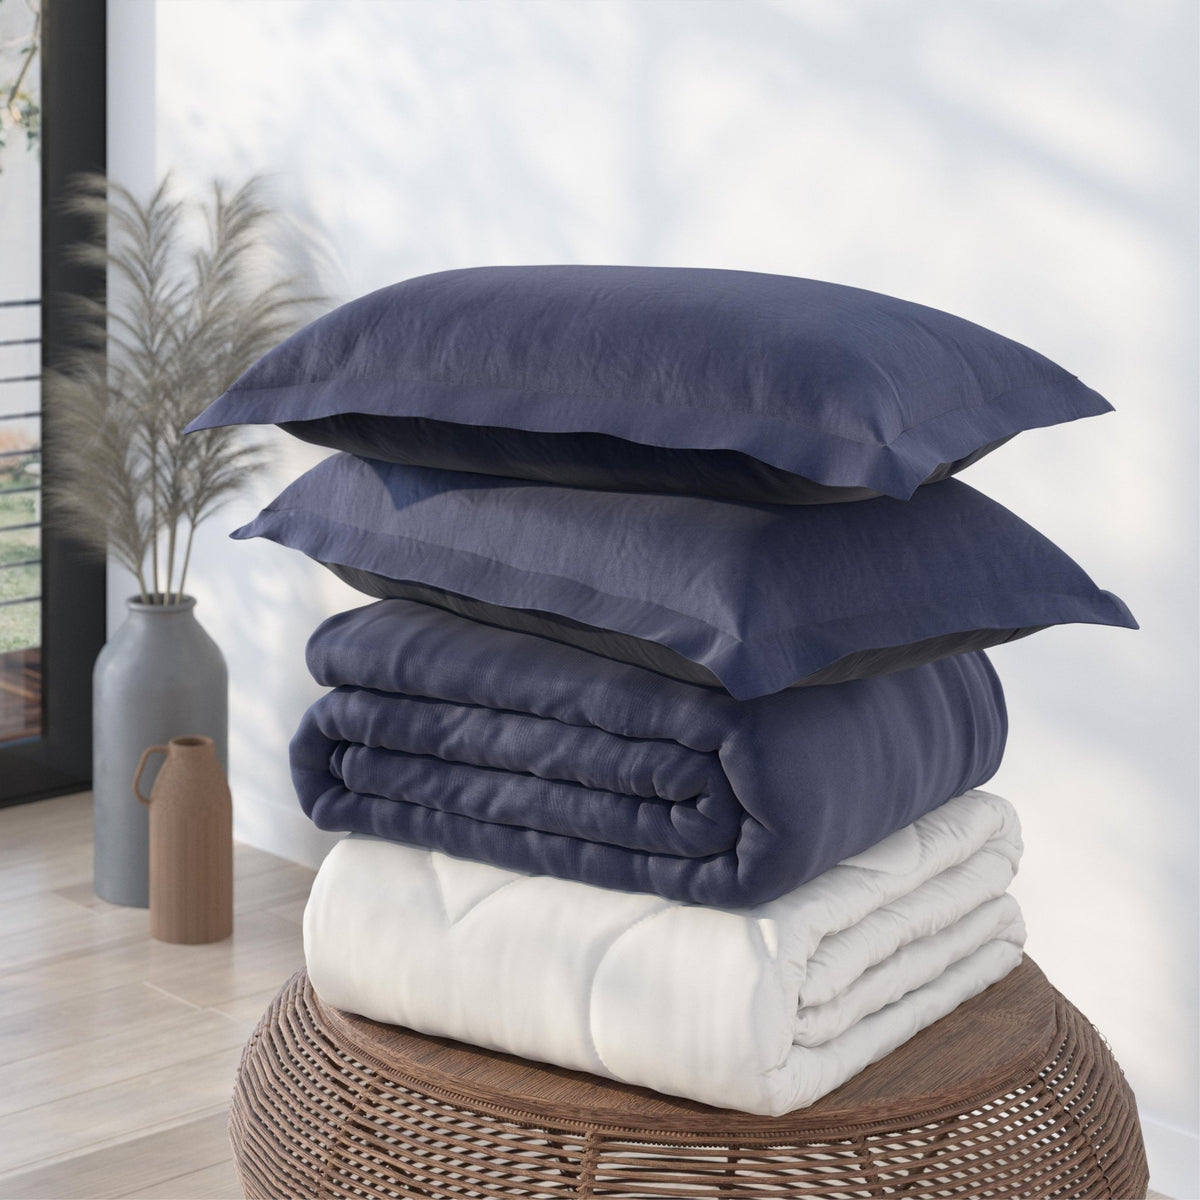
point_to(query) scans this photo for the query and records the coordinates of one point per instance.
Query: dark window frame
(73, 89)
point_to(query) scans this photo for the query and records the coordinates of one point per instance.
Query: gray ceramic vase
(159, 676)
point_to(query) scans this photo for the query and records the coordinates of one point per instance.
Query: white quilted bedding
(763, 1009)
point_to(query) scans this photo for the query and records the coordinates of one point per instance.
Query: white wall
(1028, 164)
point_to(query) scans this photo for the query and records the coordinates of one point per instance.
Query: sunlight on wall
(1028, 164)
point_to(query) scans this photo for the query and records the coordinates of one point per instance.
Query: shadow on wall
(260, 601)
(516, 129)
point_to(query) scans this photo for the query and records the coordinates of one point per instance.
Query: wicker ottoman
(1012, 1095)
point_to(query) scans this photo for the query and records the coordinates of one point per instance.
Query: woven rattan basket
(1012, 1095)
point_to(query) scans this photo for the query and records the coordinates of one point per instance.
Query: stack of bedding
(660, 746)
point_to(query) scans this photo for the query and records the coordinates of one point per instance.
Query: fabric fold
(762, 1008)
(531, 755)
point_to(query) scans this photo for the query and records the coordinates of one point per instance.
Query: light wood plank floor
(117, 1052)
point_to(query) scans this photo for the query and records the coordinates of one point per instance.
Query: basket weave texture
(1013, 1095)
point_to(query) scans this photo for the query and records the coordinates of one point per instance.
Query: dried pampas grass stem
(184, 317)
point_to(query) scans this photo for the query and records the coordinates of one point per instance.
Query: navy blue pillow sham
(703, 382)
(761, 597)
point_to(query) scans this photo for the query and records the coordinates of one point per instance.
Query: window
(51, 594)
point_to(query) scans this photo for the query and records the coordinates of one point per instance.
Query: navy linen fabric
(862, 664)
(760, 596)
(510, 749)
(705, 382)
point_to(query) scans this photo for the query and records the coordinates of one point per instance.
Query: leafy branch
(19, 108)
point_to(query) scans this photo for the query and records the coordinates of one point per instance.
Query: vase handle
(137, 775)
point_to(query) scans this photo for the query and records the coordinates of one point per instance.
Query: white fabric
(763, 1009)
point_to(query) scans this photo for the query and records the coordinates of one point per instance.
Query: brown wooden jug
(191, 843)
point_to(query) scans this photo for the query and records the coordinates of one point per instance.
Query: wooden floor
(117, 1052)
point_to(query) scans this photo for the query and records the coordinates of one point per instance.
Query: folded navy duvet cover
(511, 749)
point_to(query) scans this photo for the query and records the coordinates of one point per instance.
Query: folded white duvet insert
(762, 1009)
